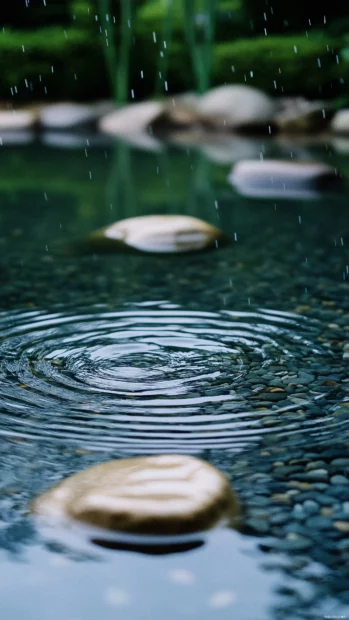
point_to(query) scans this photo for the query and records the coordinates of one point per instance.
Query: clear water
(114, 355)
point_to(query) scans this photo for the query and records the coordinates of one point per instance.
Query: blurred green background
(93, 49)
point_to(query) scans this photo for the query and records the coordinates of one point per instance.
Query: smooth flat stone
(14, 120)
(133, 118)
(63, 116)
(159, 234)
(301, 116)
(283, 179)
(236, 106)
(340, 122)
(156, 495)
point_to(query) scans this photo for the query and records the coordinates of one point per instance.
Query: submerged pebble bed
(238, 355)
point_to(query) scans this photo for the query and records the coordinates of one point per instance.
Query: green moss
(282, 65)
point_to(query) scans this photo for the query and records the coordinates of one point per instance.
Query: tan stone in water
(163, 234)
(158, 495)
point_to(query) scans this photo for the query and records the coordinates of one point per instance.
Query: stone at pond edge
(158, 495)
(236, 106)
(340, 122)
(284, 179)
(297, 115)
(133, 118)
(70, 116)
(14, 120)
(163, 234)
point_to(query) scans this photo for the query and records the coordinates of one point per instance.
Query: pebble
(279, 519)
(340, 463)
(298, 512)
(260, 525)
(311, 507)
(342, 526)
(298, 543)
(316, 474)
(318, 523)
(338, 479)
(346, 507)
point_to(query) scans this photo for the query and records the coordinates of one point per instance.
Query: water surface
(235, 355)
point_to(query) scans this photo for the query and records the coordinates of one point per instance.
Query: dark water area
(237, 355)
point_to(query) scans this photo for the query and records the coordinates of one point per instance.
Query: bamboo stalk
(162, 65)
(117, 60)
(200, 51)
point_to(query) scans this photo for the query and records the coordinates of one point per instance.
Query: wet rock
(339, 479)
(183, 109)
(161, 234)
(297, 115)
(156, 495)
(62, 116)
(132, 119)
(342, 526)
(296, 543)
(340, 122)
(311, 507)
(236, 107)
(283, 179)
(17, 120)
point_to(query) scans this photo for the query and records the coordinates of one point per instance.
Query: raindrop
(154, 37)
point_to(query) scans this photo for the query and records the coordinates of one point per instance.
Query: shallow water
(235, 355)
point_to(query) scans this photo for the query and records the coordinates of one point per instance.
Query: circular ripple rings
(146, 378)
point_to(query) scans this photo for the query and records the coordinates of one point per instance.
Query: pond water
(235, 355)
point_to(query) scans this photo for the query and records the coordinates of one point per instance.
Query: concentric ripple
(149, 377)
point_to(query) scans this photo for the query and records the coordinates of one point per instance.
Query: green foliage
(151, 16)
(67, 63)
(283, 65)
(279, 16)
(34, 14)
(73, 61)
